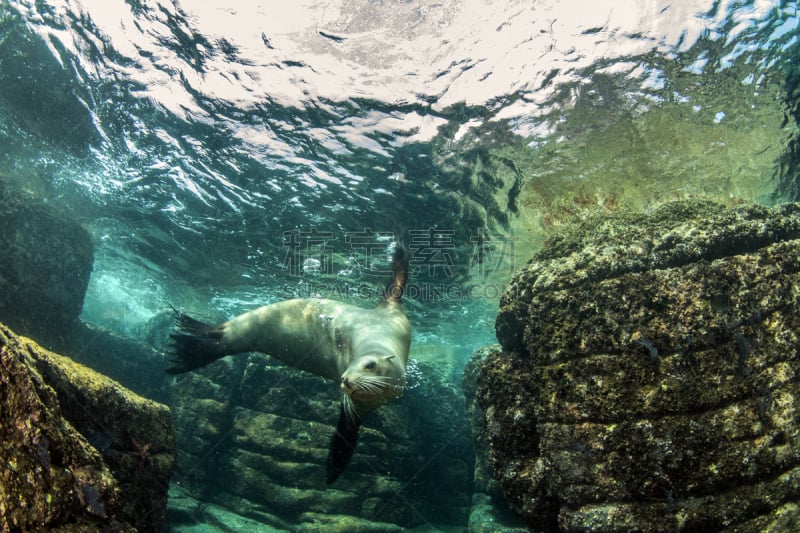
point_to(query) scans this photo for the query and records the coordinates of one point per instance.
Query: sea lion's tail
(394, 290)
(195, 344)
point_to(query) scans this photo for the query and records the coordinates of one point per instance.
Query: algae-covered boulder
(45, 262)
(649, 374)
(489, 512)
(80, 453)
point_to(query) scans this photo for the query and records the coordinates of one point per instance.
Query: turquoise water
(227, 156)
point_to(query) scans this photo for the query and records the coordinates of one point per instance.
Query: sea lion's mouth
(351, 389)
(357, 392)
(356, 395)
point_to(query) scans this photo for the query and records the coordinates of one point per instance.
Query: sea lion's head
(372, 380)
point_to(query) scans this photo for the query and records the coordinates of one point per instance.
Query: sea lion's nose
(345, 382)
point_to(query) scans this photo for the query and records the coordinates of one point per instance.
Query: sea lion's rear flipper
(343, 445)
(195, 344)
(394, 290)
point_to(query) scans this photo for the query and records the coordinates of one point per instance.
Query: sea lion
(365, 350)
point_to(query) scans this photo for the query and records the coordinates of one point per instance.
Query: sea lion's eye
(371, 365)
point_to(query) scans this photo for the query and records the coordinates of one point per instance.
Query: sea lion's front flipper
(343, 445)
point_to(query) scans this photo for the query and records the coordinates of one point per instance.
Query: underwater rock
(45, 262)
(649, 374)
(186, 513)
(253, 436)
(489, 513)
(81, 452)
(313, 522)
(131, 362)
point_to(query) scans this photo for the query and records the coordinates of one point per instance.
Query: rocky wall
(489, 511)
(648, 378)
(80, 452)
(254, 436)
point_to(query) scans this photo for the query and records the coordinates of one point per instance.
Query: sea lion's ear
(388, 357)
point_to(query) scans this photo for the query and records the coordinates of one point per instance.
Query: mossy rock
(81, 452)
(649, 374)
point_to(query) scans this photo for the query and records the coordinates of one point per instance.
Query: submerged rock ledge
(648, 378)
(80, 452)
(254, 435)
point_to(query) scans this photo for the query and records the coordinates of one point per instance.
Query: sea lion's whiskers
(369, 383)
(386, 382)
(376, 383)
(368, 386)
(379, 378)
(350, 409)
